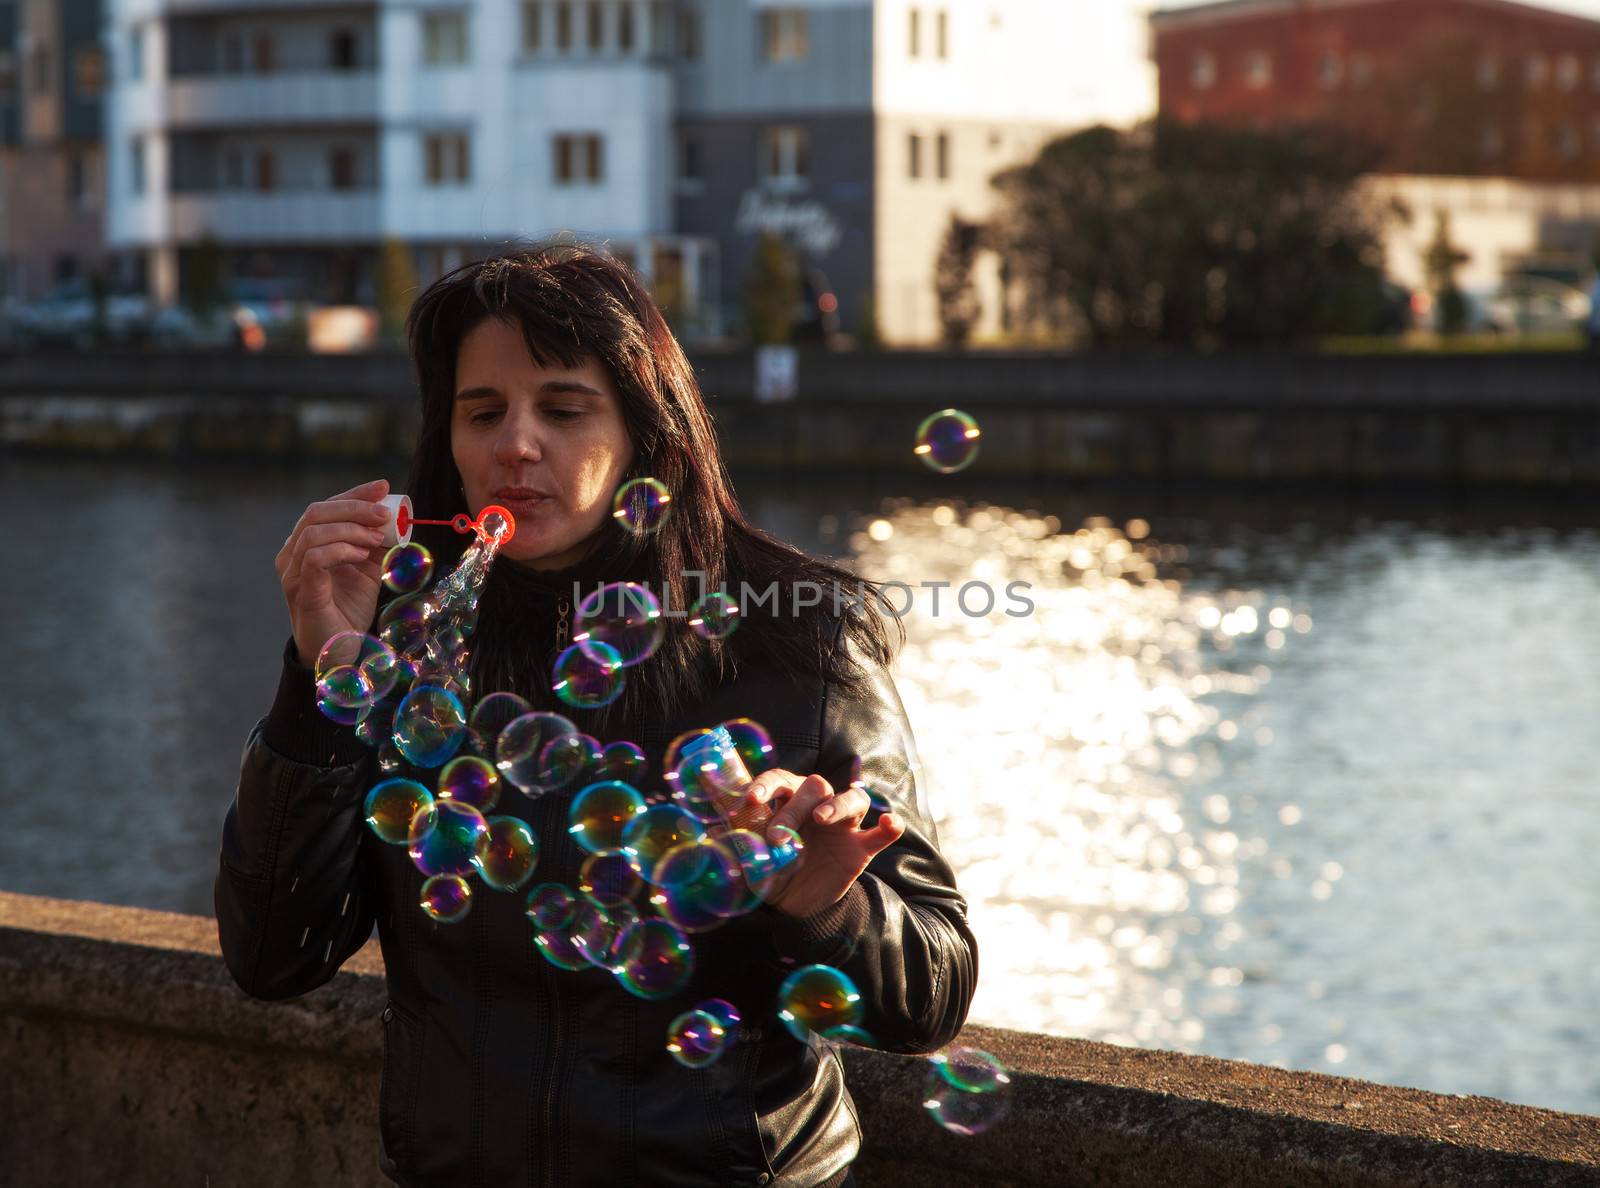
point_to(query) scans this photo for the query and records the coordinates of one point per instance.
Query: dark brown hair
(573, 303)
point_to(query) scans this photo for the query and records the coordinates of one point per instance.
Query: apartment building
(299, 135)
(52, 83)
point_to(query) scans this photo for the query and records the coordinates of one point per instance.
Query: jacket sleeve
(901, 931)
(289, 896)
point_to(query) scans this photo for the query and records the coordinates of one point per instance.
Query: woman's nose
(518, 442)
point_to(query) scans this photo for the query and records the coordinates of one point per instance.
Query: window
(1203, 71)
(1536, 70)
(941, 156)
(263, 53)
(579, 158)
(444, 38)
(784, 34)
(77, 181)
(596, 26)
(1258, 69)
(342, 49)
(532, 26)
(785, 155)
(914, 34)
(689, 33)
(41, 64)
(266, 171)
(88, 71)
(563, 26)
(136, 53)
(1488, 72)
(1330, 71)
(941, 34)
(625, 27)
(1569, 73)
(341, 168)
(136, 179)
(690, 166)
(913, 156)
(446, 159)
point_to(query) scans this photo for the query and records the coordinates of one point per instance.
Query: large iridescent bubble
(651, 833)
(966, 1090)
(549, 906)
(623, 616)
(641, 505)
(446, 898)
(655, 959)
(489, 717)
(507, 853)
(468, 779)
(407, 568)
(520, 751)
(715, 616)
(444, 838)
(429, 726)
(392, 805)
(588, 675)
(601, 813)
(696, 1039)
(818, 998)
(947, 441)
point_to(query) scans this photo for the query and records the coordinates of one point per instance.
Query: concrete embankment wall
(1521, 420)
(132, 1059)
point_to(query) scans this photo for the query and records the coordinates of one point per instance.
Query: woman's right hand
(331, 567)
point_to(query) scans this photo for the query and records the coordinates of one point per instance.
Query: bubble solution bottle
(723, 779)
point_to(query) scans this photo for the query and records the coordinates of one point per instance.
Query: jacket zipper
(563, 626)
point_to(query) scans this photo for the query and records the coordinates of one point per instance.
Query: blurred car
(72, 315)
(1527, 305)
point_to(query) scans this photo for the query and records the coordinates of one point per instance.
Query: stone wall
(132, 1059)
(1510, 420)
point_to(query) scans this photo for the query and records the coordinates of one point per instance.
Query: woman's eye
(484, 417)
(564, 414)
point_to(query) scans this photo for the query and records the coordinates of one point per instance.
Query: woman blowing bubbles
(548, 379)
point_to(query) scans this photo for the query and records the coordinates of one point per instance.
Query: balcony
(330, 97)
(315, 216)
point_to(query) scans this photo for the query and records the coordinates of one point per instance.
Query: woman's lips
(524, 506)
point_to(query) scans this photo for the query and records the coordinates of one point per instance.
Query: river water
(1301, 782)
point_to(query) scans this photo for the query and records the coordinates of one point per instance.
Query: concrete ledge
(134, 1060)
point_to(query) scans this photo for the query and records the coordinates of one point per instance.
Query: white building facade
(298, 136)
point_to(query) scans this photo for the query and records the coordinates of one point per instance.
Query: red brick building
(1469, 87)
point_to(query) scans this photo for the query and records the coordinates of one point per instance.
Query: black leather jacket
(500, 1069)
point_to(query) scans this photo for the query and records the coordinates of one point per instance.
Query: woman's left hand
(836, 848)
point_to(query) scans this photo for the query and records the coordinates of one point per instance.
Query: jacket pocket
(402, 1032)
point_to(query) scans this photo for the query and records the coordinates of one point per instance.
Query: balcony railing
(279, 217)
(330, 97)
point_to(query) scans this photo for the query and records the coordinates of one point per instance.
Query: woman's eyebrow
(479, 393)
(573, 386)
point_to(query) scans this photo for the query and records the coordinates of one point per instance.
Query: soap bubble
(853, 1036)
(565, 758)
(429, 726)
(947, 441)
(696, 1039)
(549, 906)
(817, 998)
(390, 807)
(507, 853)
(754, 744)
(470, 780)
(407, 568)
(521, 744)
(601, 813)
(641, 505)
(489, 717)
(623, 616)
(608, 877)
(389, 758)
(654, 959)
(966, 1090)
(723, 1011)
(701, 886)
(444, 838)
(557, 947)
(344, 695)
(711, 775)
(623, 761)
(447, 898)
(654, 831)
(377, 727)
(403, 623)
(596, 930)
(670, 758)
(588, 675)
(715, 616)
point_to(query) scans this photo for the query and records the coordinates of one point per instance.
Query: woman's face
(547, 443)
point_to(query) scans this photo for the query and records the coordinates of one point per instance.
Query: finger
(813, 790)
(356, 534)
(884, 833)
(352, 511)
(844, 810)
(769, 784)
(372, 489)
(331, 556)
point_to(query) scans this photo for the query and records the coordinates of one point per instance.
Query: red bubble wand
(499, 533)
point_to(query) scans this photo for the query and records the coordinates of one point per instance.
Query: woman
(549, 378)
